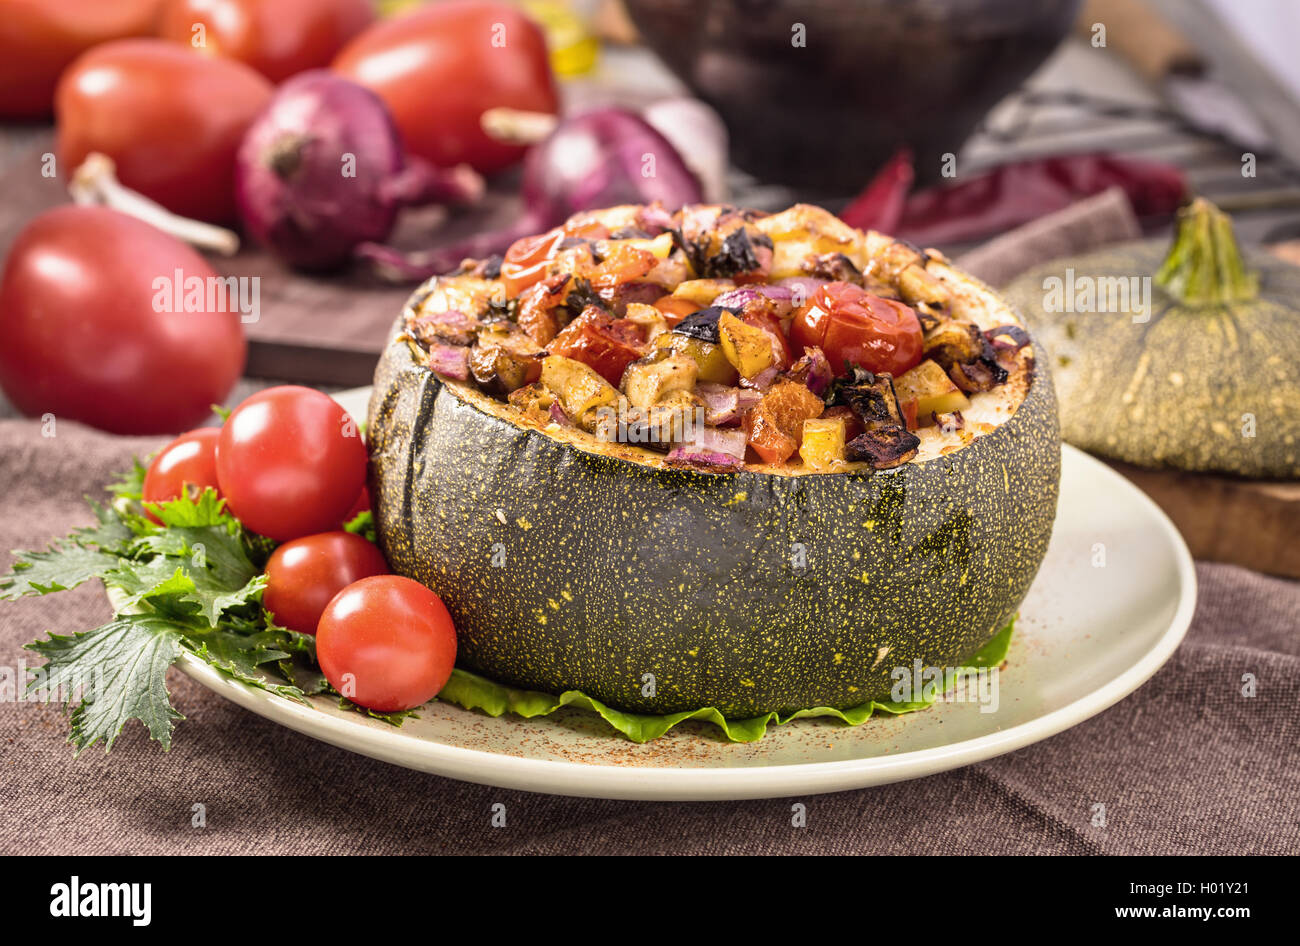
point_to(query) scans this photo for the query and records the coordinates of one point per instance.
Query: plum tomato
(290, 462)
(278, 38)
(439, 67)
(853, 327)
(90, 334)
(386, 643)
(303, 575)
(39, 38)
(186, 466)
(170, 119)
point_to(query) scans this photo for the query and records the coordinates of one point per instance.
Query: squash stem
(1204, 265)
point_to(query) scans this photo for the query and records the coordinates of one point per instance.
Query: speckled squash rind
(1184, 388)
(607, 571)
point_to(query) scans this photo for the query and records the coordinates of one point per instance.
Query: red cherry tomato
(38, 38)
(187, 465)
(278, 38)
(525, 262)
(854, 327)
(304, 575)
(170, 119)
(440, 67)
(601, 342)
(290, 462)
(386, 643)
(85, 333)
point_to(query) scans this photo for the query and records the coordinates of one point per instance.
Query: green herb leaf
(60, 567)
(120, 670)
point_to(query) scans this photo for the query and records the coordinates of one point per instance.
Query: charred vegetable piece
(832, 266)
(884, 447)
(647, 382)
(949, 422)
(823, 444)
(703, 324)
(930, 389)
(602, 342)
(541, 311)
(538, 404)
(874, 401)
(505, 358)
(709, 358)
(747, 347)
(579, 388)
(1007, 337)
(452, 327)
(952, 342)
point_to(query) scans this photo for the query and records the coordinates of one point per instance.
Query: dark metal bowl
(873, 75)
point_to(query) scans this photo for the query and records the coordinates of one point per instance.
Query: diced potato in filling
(580, 389)
(823, 444)
(931, 389)
(747, 347)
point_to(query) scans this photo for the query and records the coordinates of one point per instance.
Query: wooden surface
(1245, 522)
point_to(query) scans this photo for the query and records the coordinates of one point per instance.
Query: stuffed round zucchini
(714, 458)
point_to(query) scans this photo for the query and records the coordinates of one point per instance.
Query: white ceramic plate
(1111, 603)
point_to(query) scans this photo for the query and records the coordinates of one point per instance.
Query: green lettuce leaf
(471, 691)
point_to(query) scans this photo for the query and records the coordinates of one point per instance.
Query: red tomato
(302, 576)
(601, 342)
(171, 120)
(440, 67)
(854, 327)
(278, 38)
(525, 262)
(386, 643)
(187, 465)
(290, 462)
(675, 308)
(86, 334)
(361, 505)
(38, 38)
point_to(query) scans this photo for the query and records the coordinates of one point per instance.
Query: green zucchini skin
(1179, 390)
(610, 570)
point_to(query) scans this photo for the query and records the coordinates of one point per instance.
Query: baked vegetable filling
(722, 339)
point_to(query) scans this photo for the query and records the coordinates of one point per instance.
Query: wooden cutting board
(1245, 522)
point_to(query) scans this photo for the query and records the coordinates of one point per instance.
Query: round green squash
(658, 590)
(1206, 378)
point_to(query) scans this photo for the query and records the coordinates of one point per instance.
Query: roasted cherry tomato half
(304, 575)
(290, 462)
(386, 643)
(186, 466)
(602, 342)
(525, 261)
(853, 327)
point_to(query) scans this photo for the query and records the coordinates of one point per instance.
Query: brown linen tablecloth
(1186, 764)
